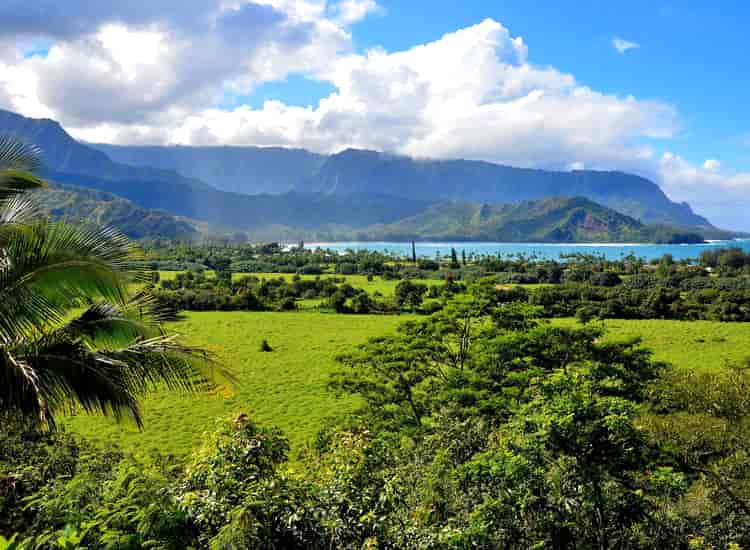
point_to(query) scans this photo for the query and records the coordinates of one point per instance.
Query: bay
(552, 251)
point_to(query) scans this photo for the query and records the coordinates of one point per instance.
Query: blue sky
(539, 84)
(693, 54)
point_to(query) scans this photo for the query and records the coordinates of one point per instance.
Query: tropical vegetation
(473, 402)
(72, 334)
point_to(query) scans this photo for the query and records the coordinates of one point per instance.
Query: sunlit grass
(286, 387)
(694, 345)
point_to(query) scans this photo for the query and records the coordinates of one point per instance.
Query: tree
(409, 294)
(488, 428)
(53, 357)
(454, 259)
(390, 372)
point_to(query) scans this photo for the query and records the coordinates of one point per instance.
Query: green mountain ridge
(549, 220)
(254, 170)
(63, 154)
(106, 209)
(561, 220)
(248, 170)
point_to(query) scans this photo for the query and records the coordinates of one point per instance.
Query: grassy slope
(287, 387)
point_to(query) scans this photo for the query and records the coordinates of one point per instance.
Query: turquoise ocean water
(541, 250)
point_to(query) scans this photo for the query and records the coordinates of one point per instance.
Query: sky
(649, 87)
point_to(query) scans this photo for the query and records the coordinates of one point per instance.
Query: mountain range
(254, 170)
(354, 191)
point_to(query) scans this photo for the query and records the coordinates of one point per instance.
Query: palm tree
(72, 335)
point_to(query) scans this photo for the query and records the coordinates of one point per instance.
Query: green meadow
(692, 345)
(288, 386)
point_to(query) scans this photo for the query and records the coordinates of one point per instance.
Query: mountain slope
(550, 220)
(249, 170)
(63, 154)
(368, 171)
(105, 209)
(244, 212)
(75, 164)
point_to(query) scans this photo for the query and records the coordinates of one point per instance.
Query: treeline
(273, 258)
(688, 294)
(194, 291)
(481, 426)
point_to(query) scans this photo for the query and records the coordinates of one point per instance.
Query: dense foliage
(482, 426)
(716, 288)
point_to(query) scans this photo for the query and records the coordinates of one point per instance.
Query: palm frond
(70, 378)
(19, 385)
(19, 209)
(59, 375)
(17, 154)
(14, 182)
(106, 358)
(56, 266)
(107, 326)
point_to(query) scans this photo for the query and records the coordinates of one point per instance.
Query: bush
(607, 278)
(310, 270)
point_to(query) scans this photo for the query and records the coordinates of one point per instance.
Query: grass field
(287, 387)
(695, 345)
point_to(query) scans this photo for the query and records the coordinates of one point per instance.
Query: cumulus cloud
(722, 196)
(623, 46)
(712, 165)
(472, 93)
(352, 11)
(128, 62)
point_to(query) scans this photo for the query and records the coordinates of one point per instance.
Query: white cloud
(471, 93)
(352, 11)
(137, 61)
(712, 165)
(722, 196)
(623, 46)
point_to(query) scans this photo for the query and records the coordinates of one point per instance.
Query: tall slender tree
(73, 334)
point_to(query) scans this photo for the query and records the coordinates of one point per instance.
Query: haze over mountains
(354, 192)
(254, 170)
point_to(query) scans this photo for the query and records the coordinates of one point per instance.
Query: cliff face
(369, 171)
